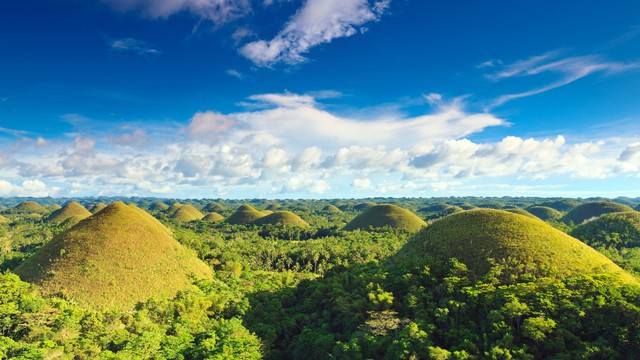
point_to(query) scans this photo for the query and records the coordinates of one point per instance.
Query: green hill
(522, 212)
(158, 206)
(281, 218)
(53, 207)
(213, 206)
(331, 209)
(33, 217)
(592, 210)
(213, 217)
(364, 206)
(28, 207)
(562, 205)
(435, 208)
(3, 220)
(544, 212)
(476, 236)
(113, 260)
(187, 213)
(72, 209)
(72, 220)
(386, 215)
(618, 230)
(94, 208)
(244, 215)
(173, 208)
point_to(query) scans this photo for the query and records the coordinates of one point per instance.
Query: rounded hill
(173, 208)
(386, 215)
(545, 213)
(617, 230)
(522, 212)
(213, 217)
(561, 205)
(94, 208)
(112, 260)
(476, 236)
(281, 218)
(364, 206)
(244, 215)
(72, 209)
(187, 213)
(592, 210)
(158, 206)
(331, 209)
(28, 207)
(213, 206)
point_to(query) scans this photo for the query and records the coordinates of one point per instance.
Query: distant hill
(281, 218)
(113, 260)
(94, 208)
(27, 207)
(562, 205)
(213, 217)
(544, 212)
(522, 212)
(244, 215)
(331, 209)
(158, 206)
(593, 209)
(386, 215)
(213, 206)
(364, 206)
(476, 236)
(637, 208)
(618, 230)
(53, 207)
(187, 213)
(72, 209)
(173, 208)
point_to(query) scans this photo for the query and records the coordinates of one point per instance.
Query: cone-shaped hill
(244, 215)
(158, 206)
(281, 218)
(112, 260)
(213, 206)
(331, 209)
(72, 209)
(213, 217)
(94, 208)
(364, 206)
(386, 215)
(475, 236)
(561, 205)
(187, 213)
(53, 207)
(545, 213)
(173, 208)
(28, 207)
(592, 210)
(619, 230)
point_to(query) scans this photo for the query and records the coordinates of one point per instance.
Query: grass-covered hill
(331, 209)
(592, 210)
(562, 205)
(187, 213)
(435, 208)
(386, 215)
(213, 217)
(173, 208)
(476, 236)
(364, 206)
(28, 207)
(94, 208)
(281, 218)
(53, 207)
(113, 260)
(213, 206)
(3, 220)
(245, 214)
(544, 212)
(72, 209)
(617, 230)
(522, 212)
(158, 206)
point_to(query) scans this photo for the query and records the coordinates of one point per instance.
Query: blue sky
(319, 98)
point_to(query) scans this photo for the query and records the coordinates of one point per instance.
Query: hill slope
(619, 230)
(94, 208)
(281, 218)
(544, 212)
(244, 215)
(386, 215)
(113, 260)
(331, 209)
(187, 213)
(475, 236)
(593, 209)
(213, 217)
(28, 207)
(72, 209)
(213, 206)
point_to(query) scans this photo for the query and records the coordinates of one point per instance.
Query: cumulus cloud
(27, 188)
(209, 125)
(315, 23)
(217, 11)
(566, 70)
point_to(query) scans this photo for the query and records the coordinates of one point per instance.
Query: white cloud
(361, 184)
(209, 126)
(236, 74)
(567, 70)
(35, 188)
(316, 22)
(217, 11)
(135, 46)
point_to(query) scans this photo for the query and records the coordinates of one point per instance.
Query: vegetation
(94, 208)
(213, 217)
(331, 209)
(72, 209)
(562, 205)
(592, 210)
(113, 259)
(522, 212)
(27, 207)
(386, 215)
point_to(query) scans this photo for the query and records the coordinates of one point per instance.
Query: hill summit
(476, 236)
(72, 209)
(112, 260)
(592, 210)
(244, 215)
(386, 215)
(281, 218)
